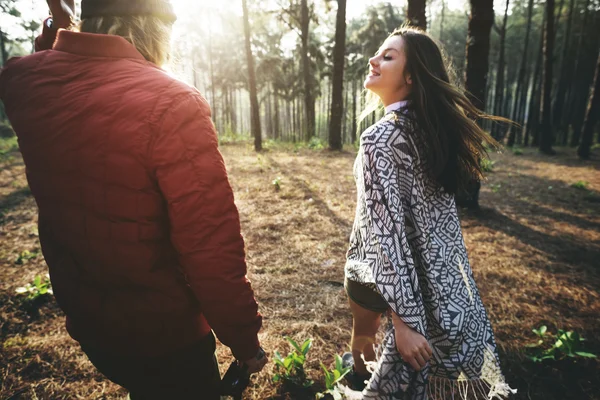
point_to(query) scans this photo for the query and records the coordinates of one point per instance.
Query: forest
(284, 80)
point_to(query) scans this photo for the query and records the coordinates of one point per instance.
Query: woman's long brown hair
(450, 140)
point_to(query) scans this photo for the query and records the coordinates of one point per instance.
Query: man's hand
(63, 13)
(411, 345)
(257, 363)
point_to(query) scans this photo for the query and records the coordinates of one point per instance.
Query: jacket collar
(95, 45)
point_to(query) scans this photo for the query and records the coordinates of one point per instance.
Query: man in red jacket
(137, 220)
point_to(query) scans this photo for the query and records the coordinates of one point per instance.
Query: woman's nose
(373, 61)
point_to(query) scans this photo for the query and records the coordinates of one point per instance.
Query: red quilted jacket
(136, 216)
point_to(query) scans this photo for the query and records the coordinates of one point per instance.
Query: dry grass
(534, 247)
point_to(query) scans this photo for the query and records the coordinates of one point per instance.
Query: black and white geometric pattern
(407, 243)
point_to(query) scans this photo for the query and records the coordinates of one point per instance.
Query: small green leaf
(298, 359)
(533, 345)
(338, 362)
(344, 372)
(294, 344)
(308, 383)
(278, 357)
(276, 378)
(306, 346)
(37, 280)
(585, 354)
(327, 373)
(336, 374)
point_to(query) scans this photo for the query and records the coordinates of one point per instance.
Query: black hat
(120, 8)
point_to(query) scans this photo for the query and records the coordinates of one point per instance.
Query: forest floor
(534, 247)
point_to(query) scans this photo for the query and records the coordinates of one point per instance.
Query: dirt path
(534, 247)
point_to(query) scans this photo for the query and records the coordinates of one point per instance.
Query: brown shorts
(366, 297)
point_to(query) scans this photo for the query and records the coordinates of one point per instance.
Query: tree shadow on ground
(14, 199)
(318, 202)
(565, 249)
(565, 156)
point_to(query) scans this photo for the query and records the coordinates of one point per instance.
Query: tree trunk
(565, 71)
(254, 110)
(268, 118)
(294, 119)
(520, 79)
(416, 14)
(478, 49)
(558, 15)
(574, 92)
(276, 124)
(339, 51)
(327, 114)
(481, 20)
(309, 101)
(234, 111)
(442, 22)
(3, 51)
(499, 91)
(591, 117)
(546, 137)
(534, 102)
(520, 113)
(354, 127)
(345, 115)
(213, 97)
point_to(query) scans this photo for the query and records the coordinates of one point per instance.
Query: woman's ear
(409, 79)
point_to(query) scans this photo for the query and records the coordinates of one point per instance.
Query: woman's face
(387, 77)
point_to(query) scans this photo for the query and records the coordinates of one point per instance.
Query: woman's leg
(364, 328)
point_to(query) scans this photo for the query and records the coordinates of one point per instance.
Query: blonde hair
(372, 104)
(150, 35)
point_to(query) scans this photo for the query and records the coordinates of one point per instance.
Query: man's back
(117, 164)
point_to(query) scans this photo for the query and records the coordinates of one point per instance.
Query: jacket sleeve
(46, 39)
(389, 177)
(204, 223)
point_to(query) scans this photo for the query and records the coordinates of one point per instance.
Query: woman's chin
(370, 82)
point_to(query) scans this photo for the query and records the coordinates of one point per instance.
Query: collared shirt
(395, 106)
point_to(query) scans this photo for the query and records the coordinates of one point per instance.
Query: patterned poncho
(407, 243)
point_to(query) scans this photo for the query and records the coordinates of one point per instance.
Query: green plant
(6, 131)
(517, 151)
(25, 256)
(581, 185)
(566, 344)
(487, 165)
(290, 370)
(228, 136)
(277, 183)
(37, 288)
(316, 144)
(495, 187)
(333, 378)
(7, 146)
